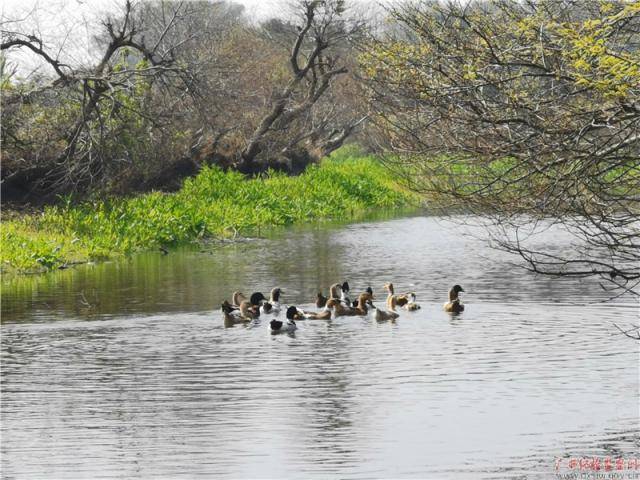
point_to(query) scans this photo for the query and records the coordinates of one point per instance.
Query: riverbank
(214, 204)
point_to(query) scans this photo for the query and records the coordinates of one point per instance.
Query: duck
(344, 293)
(324, 314)
(361, 307)
(369, 290)
(237, 298)
(382, 315)
(339, 309)
(231, 316)
(247, 310)
(412, 306)
(252, 306)
(321, 300)
(267, 308)
(294, 313)
(394, 300)
(333, 291)
(454, 305)
(274, 300)
(277, 326)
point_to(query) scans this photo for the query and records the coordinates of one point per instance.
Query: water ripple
(500, 391)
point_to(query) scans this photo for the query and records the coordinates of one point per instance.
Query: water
(124, 370)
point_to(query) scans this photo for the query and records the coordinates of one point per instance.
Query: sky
(65, 25)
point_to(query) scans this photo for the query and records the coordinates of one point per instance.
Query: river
(125, 370)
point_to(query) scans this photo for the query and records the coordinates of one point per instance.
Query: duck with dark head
(363, 301)
(274, 300)
(454, 305)
(369, 290)
(321, 300)
(289, 325)
(344, 294)
(257, 303)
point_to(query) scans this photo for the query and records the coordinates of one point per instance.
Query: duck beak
(461, 289)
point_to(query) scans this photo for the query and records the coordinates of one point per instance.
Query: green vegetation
(214, 204)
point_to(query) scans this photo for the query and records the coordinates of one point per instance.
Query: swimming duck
(344, 294)
(324, 314)
(340, 310)
(247, 310)
(361, 307)
(369, 291)
(382, 315)
(267, 308)
(274, 300)
(334, 291)
(294, 313)
(276, 326)
(412, 305)
(237, 298)
(251, 307)
(454, 305)
(231, 316)
(321, 300)
(394, 300)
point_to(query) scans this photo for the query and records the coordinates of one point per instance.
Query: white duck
(277, 326)
(382, 315)
(344, 294)
(274, 300)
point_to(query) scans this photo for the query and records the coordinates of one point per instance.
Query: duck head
(257, 298)
(369, 290)
(275, 294)
(453, 293)
(334, 290)
(275, 324)
(292, 313)
(345, 287)
(364, 299)
(226, 307)
(389, 287)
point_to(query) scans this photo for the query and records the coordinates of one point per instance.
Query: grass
(214, 204)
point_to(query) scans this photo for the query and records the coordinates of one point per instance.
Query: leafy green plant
(214, 204)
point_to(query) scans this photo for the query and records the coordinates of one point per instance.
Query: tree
(88, 122)
(315, 62)
(175, 85)
(526, 113)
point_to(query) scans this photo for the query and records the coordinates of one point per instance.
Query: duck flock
(338, 304)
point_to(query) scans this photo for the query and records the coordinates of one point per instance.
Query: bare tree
(177, 84)
(100, 96)
(315, 62)
(527, 113)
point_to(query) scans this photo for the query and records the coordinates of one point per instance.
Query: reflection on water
(124, 369)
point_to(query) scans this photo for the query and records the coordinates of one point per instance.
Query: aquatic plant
(213, 204)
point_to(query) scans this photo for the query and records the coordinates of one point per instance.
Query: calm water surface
(124, 370)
